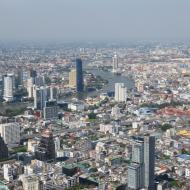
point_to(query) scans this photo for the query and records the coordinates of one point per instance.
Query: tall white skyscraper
(30, 84)
(120, 92)
(115, 63)
(8, 88)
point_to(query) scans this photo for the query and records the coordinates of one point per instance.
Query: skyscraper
(30, 84)
(8, 88)
(135, 173)
(115, 63)
(141, 170)
(138, 152)
(79, 76)
(72, 78)
(136, 168)
(40, 97)
(120, 92)
(53, 93)
(149, 161)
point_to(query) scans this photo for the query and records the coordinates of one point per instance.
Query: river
(112, 79)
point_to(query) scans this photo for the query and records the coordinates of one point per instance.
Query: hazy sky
(94, 19)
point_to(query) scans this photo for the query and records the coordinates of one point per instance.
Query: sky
(78, 20)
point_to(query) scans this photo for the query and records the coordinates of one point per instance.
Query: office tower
(53, 93)
(10, 133)
(50, 110)
(30, 84)
(120, 92)
(3, 149)
(40, 97)
(72, 78)
(20, 77)
(136, 168)
(115, 63)
(8, 88)
(138, 152)
(149, 161)
(135, 173)
(141, 170)
(46, 148)
(79, 76)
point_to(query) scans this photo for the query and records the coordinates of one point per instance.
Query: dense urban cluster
(93, 116)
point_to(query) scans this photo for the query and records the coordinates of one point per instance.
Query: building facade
(8, 95)
(10, 133)
(120, 92)
(79, 76)
(3, 149)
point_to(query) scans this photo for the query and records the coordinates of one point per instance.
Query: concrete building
(135, 176)
(31, 182)
(141, 170)
(8, 95)
(40, 97)
(10, 133)
(53, 93)
(46, 148)
(8, 172)
(138, 152)
(30, 84)
(50, 111)
(72, 79)
(120, 92)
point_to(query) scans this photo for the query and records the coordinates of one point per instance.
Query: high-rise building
(3, 148)
(135, 174)
(120, 92)
(30, 84)
(10, 133)
(138, 152)
(20, 76)
(149, 161)
(115, 63)
(50, 110)
(46, 148)
(79, 76)
(40, 97)
(53, 93)
(8, 88)
(72, 78)
(141, 170)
